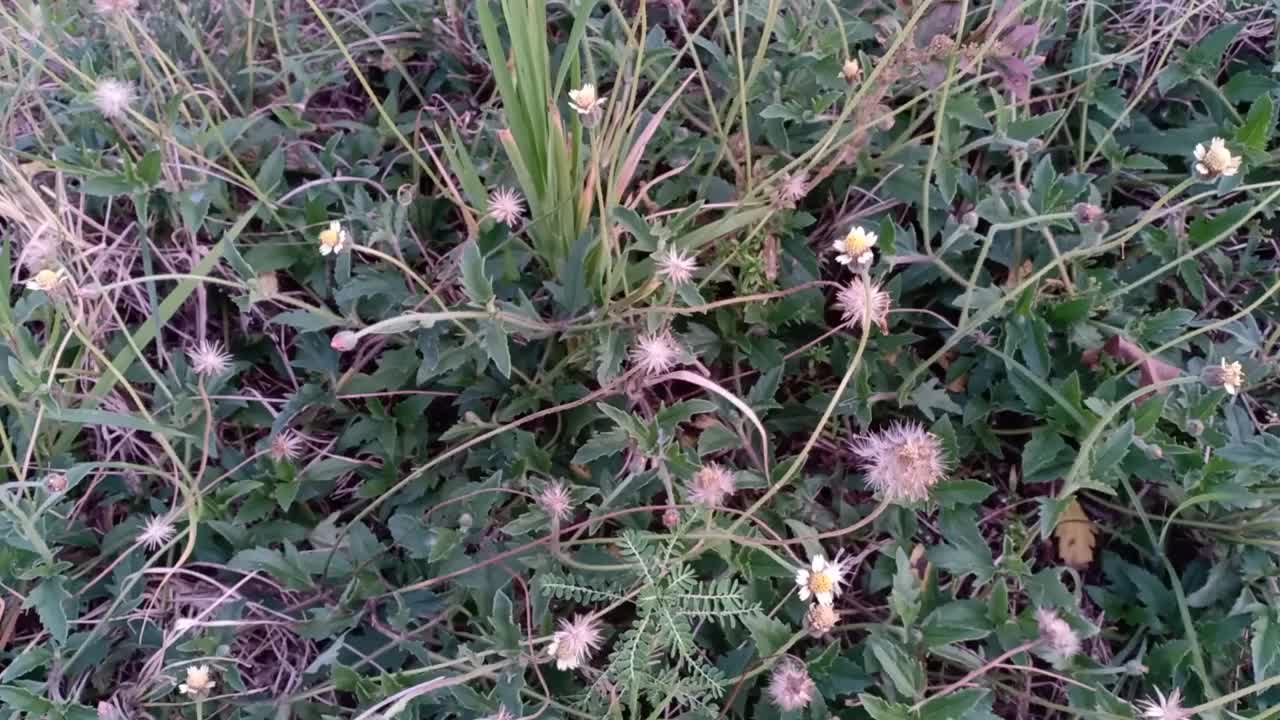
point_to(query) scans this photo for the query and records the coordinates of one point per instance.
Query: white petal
(1231, 389)
(335, 226)
(824, 598)
(804, 592)
(1202, 169)
(843, 259)
(1200, 151)
(325, 249)
(818, 563)
(1229, 170)
(872, 238)
(802, 577)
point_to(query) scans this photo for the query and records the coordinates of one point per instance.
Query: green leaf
(930, 396)
(954, 493)
(905, 598)
(964, 704)
(769, 634)
(272, 171)
(881, 709)
(903, 671)
(1046, 457)
(50, 599)
(474, 281)
(494, 340)
(1266, 645)
(1207, 54)
(966, 110)
(604, 444)
(148, 168)
(1024, 130)
(1258, 125)
(107, 185)
(966, 552)
(1262, 451)
(1113, 450)
(305, 320)
(110, 419)
(1204, 230)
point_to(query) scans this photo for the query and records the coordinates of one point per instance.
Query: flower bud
(56, 482)
(670, 518)
(344, 341)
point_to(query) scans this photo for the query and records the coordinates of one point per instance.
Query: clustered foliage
(639, 359)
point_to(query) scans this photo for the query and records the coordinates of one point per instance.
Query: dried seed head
(208, 358)
(1058, 636)
(1228, 376)
(156, 532)
(655, 353)
(792, 190)
(55, 482)
(506, 206)
(821, 619)
(862, 302)
(711, 485)
(901, 462)
(1164, 708)
(675, 266)
(790, 687)
(112, 98)
(556, 500)
(574, 642)
(285, 445)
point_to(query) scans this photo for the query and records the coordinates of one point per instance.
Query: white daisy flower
(334, 239)
(822, 580)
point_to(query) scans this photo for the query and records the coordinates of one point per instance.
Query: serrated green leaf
(1258, 125)
(50, 600)
(474, 280)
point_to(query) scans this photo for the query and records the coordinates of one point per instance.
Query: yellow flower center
(47, 279)
(857, 242)
(820, 582)
(329, 238)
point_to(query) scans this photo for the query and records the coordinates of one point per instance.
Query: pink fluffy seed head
(901, 462)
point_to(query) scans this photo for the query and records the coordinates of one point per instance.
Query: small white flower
(334, 239)
(822, 580)
(856, 247)
(1164, 708)
(1216, 160)
(199, 682)
(112, 97)
(156, 531)
(47, 280)
(584, 100)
